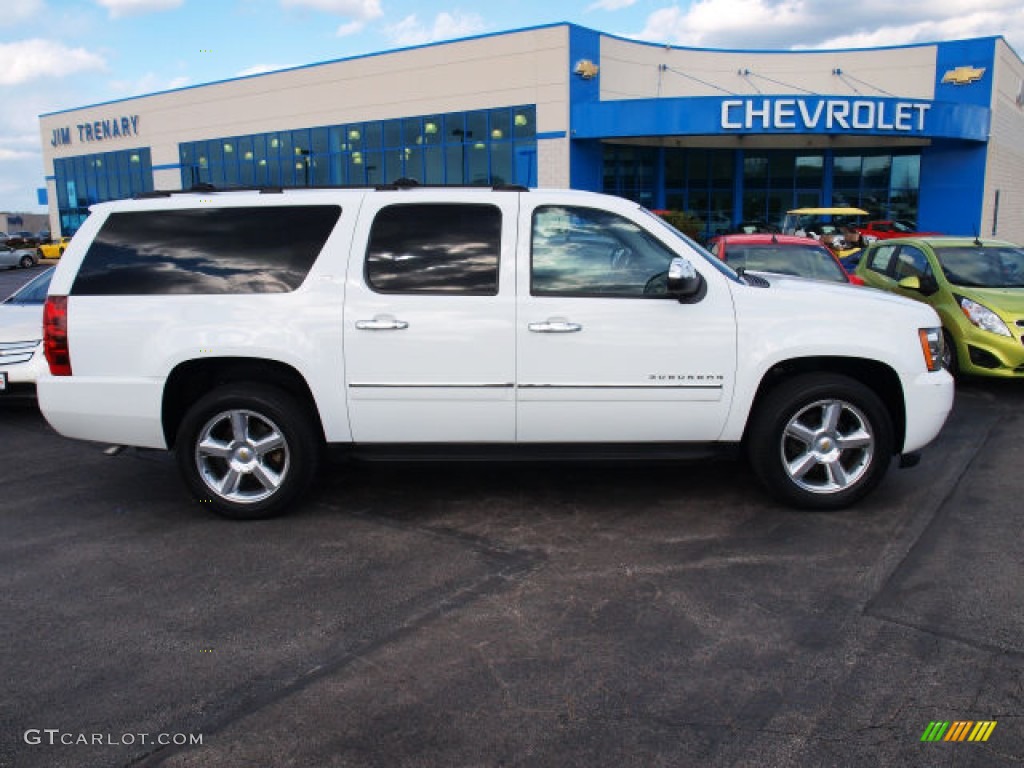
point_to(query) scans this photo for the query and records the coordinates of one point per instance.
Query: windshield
(799, 260)
(973, 266)
(716, 263)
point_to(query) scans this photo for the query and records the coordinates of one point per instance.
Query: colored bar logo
(958, 730)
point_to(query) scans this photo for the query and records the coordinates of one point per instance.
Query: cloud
(17, 11)
(120, 8)
(17, 154)
(353, 27)
(147, 83)
(786, 24)
(610, 5)
(27, 60)
(354, 9)
(446, 26)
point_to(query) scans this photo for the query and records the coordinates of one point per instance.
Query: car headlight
(983, 317)
(931, 346)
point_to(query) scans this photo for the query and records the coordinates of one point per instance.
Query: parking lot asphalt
(512, 614)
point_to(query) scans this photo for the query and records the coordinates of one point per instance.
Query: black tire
(792, 423)
(27, 261)
(950, 359)
(260, 453)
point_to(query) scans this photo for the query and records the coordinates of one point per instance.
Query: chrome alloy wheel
(827, 446)
(242, 456)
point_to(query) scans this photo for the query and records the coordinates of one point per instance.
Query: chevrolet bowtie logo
(963, 75)
(586, 69)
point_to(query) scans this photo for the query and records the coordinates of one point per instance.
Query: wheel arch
(192, 379)
(877, 376)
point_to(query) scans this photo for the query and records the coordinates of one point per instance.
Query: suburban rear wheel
(27, 261)
(821, 441)
(249, 451)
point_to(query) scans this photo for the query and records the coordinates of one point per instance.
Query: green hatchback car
(976, 286)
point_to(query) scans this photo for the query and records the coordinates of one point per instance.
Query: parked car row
(24, 239)
(976, 286)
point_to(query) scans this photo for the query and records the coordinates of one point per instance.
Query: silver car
(21, 337)
(17, 257)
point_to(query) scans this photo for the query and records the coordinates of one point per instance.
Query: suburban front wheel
(821, 441)
(27, 261)
(249, 451)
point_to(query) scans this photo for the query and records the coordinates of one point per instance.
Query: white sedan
(21, 337)
(17, 257)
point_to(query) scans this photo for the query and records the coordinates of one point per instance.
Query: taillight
(55, 335)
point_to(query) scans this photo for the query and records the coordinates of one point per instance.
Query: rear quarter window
(265, 249)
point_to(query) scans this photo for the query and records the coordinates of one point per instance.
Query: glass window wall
(495, 146)
(702, 182)
(88, 179)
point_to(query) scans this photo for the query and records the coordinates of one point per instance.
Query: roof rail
(397, 184)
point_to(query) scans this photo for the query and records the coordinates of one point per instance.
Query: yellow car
(53, 250)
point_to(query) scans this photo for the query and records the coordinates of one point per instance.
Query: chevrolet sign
(824, 114)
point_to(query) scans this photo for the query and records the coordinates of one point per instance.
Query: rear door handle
(555, 326)
(382, 324)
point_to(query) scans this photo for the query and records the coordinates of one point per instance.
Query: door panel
(627, 363)
(429, 320)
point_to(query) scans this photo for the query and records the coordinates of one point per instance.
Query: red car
(886, 230)
(783, 255)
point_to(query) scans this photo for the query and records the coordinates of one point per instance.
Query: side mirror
(684, 282)
(912, 283)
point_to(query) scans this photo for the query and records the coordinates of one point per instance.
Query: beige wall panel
(553, 163)
(631, 71)
(520, 68)
(1005, 168)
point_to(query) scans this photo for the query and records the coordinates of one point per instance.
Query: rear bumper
(121, 411)
(928, 398)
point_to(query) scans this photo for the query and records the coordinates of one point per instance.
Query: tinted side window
(881, 259)
(435, 248)
(590, 252)
(207, 251)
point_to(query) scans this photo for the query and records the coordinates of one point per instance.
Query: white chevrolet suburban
(249, 330)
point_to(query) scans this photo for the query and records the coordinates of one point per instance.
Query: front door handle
(382, 324)
(555, 326)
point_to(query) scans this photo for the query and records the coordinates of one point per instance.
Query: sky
(61, 54)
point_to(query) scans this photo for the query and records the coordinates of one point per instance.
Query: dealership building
(932, 133)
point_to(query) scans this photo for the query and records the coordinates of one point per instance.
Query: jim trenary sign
(814, 115)
(98, 130)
